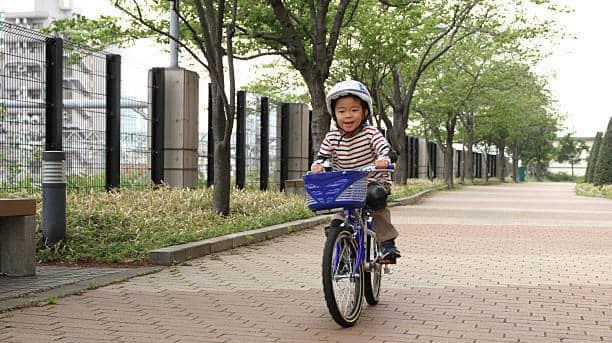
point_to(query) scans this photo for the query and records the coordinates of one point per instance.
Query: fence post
(284, 141)
(54, 174)
(310, 152)
(113, 121)
(210, 155)
(264, 133)
(157, 123)
(240, 139)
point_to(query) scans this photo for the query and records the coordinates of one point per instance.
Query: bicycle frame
(354, 218)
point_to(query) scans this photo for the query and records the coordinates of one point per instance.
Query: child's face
(349, 113)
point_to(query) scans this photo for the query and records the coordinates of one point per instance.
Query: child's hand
(381, 164)
(316, 168)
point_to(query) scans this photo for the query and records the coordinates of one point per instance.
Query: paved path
(509, 263)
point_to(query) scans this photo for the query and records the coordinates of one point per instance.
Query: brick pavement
(507, 263)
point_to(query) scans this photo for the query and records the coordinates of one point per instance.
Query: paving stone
(481, 264)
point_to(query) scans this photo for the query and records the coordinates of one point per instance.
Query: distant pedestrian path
(506, 263)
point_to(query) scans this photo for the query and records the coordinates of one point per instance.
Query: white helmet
(348, 87)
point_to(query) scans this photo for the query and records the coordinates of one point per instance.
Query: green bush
(592, 160)
(124, 226)
(603, 168)
(559, 177)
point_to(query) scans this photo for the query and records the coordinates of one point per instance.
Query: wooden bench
(17, 237)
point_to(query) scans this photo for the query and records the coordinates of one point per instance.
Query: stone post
(181, 128)
(423, 158)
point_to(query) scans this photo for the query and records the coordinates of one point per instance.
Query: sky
(579, 70)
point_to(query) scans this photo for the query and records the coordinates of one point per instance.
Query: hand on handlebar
(316, 168)
(381, 164)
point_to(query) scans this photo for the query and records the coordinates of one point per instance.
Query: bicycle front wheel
(342, 280)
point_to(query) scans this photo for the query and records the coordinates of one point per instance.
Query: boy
(356, 144)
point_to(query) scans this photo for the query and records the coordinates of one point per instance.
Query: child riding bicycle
(355, 144)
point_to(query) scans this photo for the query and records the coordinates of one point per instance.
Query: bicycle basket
(346, 189)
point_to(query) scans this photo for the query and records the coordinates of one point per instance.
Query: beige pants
(382, 224)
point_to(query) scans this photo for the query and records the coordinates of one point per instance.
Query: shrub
(592, 161)
(603, 167)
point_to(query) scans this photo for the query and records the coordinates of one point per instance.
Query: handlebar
(368, 168)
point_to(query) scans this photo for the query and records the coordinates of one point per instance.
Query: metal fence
(88, 90)
(84, 122)
(22, 99)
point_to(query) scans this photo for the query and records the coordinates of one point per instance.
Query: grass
(122, 227)
(588, 189)
(413, 186)
(480, 182)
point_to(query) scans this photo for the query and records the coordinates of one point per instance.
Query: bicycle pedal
(388, 260)
(387, 270)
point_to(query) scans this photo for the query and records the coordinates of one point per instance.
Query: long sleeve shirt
(360, 150)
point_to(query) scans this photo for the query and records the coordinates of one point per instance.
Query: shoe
(334, 223)
(389, 250)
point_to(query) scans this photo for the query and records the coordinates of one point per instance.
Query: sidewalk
(482, 264)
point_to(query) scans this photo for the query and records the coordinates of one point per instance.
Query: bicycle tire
(373, 277)
(340, 242)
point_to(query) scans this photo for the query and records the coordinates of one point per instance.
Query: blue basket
(340, 189)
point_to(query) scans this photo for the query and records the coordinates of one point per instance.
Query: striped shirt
(360, 150)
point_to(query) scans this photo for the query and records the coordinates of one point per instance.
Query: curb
(45, 297)
(180, 253)
(177, 254)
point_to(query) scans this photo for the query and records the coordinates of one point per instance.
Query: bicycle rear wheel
(373, 275)
(342, 281)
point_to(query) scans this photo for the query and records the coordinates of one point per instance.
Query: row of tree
(599, 165)
(445, 68)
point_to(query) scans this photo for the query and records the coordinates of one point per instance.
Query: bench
(17, 237)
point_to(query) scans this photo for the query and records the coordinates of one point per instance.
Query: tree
(538, 147)
(570, 149)
(603, 167)
(305, 33)
(590, 171)
(211, 28)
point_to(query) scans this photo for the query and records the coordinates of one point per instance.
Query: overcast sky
(580, 69)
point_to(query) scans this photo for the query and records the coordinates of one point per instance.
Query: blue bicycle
(352, 267)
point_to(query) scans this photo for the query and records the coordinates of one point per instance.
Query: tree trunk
(515, 159)
(571, 164)
(469, 157)
(448, 153)
(221, 193)
(485, 159)
(448, 162)
(400, 104)
(321, 120)
(501, 160)
(402, 159)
